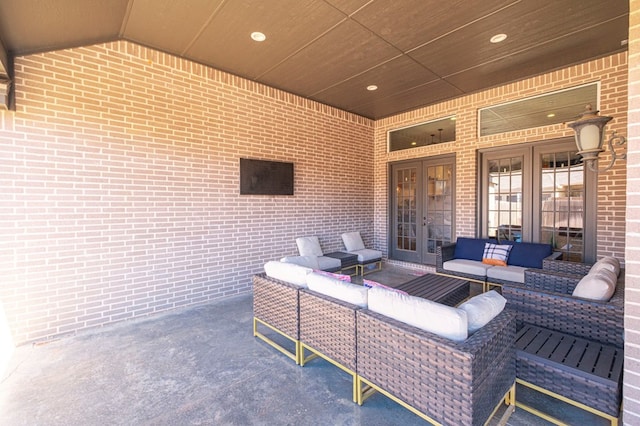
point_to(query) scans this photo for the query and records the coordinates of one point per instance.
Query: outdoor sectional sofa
(464, 259)
(443, 380)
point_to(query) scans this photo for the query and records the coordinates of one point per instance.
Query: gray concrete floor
(199, 366)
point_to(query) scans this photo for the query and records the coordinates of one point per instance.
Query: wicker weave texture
(602, 396)
(590, 319)
(566, 267)
(328, 325)
(277, 303)
(553, 281)
(453, 383)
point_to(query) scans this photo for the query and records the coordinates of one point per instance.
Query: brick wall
(631, 390)
(610, 71)
(120, 185)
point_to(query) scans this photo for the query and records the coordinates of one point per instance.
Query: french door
(539, 193)
(422, 208)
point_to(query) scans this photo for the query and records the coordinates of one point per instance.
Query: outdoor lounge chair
(310, 246)
(354, 245)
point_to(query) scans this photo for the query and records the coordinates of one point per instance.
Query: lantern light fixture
(589, 130)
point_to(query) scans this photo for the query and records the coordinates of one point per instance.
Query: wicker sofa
(587, 337)
(464, 258)
(441, 380)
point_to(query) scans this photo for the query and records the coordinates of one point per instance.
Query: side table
(347, 260)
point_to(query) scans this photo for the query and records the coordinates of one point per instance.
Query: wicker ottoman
(560, 365)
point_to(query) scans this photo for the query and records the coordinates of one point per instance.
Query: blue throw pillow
(529, 255)
(470, 248)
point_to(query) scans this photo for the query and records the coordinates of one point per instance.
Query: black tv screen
(259, 177)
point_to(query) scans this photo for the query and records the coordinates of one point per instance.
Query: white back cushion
(309, 246)
(598, 285)
(430, 316)
(608, 262)
(352, 241)
(483, 308)
(289, 272)
(351, 293)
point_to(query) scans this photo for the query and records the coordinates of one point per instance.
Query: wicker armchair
(442, 381)
(568, 347)
(545, 300)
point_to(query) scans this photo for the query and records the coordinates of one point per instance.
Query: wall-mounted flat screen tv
(260, 177)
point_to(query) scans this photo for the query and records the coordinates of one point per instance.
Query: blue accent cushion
(528, 255)
(470, 248)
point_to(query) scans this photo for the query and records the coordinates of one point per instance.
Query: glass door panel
(505, 198)
(562, 203)
(406, 209)
(405, 225)
(438, 214)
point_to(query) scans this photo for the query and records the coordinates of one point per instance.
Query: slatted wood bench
(581, 372)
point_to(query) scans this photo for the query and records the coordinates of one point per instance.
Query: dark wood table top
(442, 289)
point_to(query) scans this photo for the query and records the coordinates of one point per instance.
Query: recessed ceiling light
(414, 143)
(372, 87)
(258, 36)
(498, 38)
(551, 115)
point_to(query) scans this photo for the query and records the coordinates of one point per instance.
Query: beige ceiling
(418, 52)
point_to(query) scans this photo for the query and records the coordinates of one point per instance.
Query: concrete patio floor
(199, 366)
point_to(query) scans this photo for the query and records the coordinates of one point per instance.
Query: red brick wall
(120, 185)
(610, 71)
(631, 390)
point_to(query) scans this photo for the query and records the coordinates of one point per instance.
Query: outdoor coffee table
(442, 289)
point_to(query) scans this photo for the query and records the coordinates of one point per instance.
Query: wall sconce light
(589, 130)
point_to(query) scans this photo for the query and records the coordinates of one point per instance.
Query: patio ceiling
(417, 52)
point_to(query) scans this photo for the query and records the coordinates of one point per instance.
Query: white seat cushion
(425, 314)
(352, 241)
(351, 293)
(508, 273)
(289, 272)
(466, 266)
(308, 261)
(367, 255)
(483, 308)
(328, 263)
(309, 246)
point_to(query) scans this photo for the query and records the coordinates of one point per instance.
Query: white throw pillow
(483, 308)
(425, 314)
(609, 263)
(597, 286)
(289, 272)
(347, 292)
